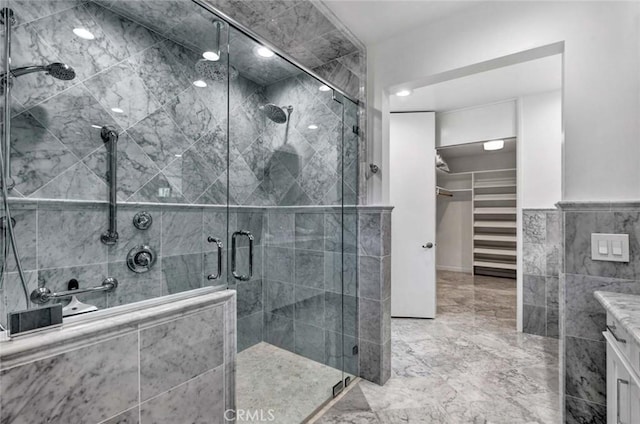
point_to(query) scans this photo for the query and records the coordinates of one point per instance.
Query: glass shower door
(286, 233)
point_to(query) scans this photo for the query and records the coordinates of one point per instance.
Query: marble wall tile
(317, 178)
(191, 114)
(339, 352)
(133, 287)
(341, 313)
(534, 226)
(36, 155)
(369, 233)
(78, 183)
(309, 231)
(371, 320)
(309, 341)
(279, 331)
(122, 92)
(25, 231)
(131, 237)
(340, 273)
(370, 277)
(534, 290)
(57, 279)
(279, 298)
(331, 45)
(279, 264)
(181, 232)
(249, 297)
(29, 10)
(132, 416)
(309, 306)
(12, 296)
(181, 273)
(179, 350)
(536, 259)
(579, 411)
(242, 181)
(161, 71)
(159, 137)
(295, 196)
(250, 330)
(280, 229)
(309, 268)
(64, 392)
(206, 401)
(585, 369)
(56, 249)
(370, 361)
(127, 34)
(158, 190)
(534, 320)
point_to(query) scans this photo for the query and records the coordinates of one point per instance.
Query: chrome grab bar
(219, 244)
(42, 295)
(611, 329)
(618, 382)
(241, 277)
(110, 137)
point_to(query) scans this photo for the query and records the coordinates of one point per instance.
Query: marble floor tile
(270, 378)
(468, 365)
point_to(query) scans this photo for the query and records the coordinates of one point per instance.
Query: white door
(412, 183)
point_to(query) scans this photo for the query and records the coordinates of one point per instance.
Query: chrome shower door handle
(234, 250)
(219, 245)
(429, 245)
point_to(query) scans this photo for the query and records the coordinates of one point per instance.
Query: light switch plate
(613, 242)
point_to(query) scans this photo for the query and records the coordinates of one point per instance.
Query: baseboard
(454, 269)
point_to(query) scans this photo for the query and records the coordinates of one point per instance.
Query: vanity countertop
(625, 308)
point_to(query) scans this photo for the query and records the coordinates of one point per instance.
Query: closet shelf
(495, 251)
(494, 211)
(495, 237)
(494, 184)
(494, 224)
(498, 265)
(495, 197)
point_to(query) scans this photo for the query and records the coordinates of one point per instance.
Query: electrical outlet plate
(610, 247)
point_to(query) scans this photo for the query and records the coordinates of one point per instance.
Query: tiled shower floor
(469, 365)
(291, 385)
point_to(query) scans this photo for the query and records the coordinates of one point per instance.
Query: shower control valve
(142, 220)
(141, 258)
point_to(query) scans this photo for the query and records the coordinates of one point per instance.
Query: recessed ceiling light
(403, 93)
(84, 33)
(96, 126)
(264, 52)
(117, 110)
(494, 145)
(313, 127)
(324, 88)
(178, 155)
(212, 56)
(200, 83)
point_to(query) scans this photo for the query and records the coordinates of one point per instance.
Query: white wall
(479, 123)
(601, 81)
(540, 150)
(454, 233)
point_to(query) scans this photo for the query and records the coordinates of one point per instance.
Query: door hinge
(338, 388)
(355, 350)
(356, 130)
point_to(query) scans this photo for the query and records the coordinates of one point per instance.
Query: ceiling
(375, 20)
(535, 76)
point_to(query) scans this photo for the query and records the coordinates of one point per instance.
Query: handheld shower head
(61, 71)
(58, 70)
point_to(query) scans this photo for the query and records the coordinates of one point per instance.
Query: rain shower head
(215, 70)
(61, 71)
(276, 113)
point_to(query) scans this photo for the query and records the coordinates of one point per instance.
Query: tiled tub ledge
(625, 308)
(140, 361)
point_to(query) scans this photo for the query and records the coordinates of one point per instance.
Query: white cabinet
(623, 383)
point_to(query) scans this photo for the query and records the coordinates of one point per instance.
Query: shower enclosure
(235, 169)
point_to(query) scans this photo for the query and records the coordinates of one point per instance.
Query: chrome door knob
(427, 246)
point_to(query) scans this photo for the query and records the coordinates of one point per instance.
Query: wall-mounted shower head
(61, 71)
(276, 113)
(215, 70)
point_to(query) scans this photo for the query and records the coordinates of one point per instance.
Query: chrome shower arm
(110, 138)
(23, 71)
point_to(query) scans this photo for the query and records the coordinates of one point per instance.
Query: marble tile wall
(138, 368)
(542, 244)
(583, 318)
